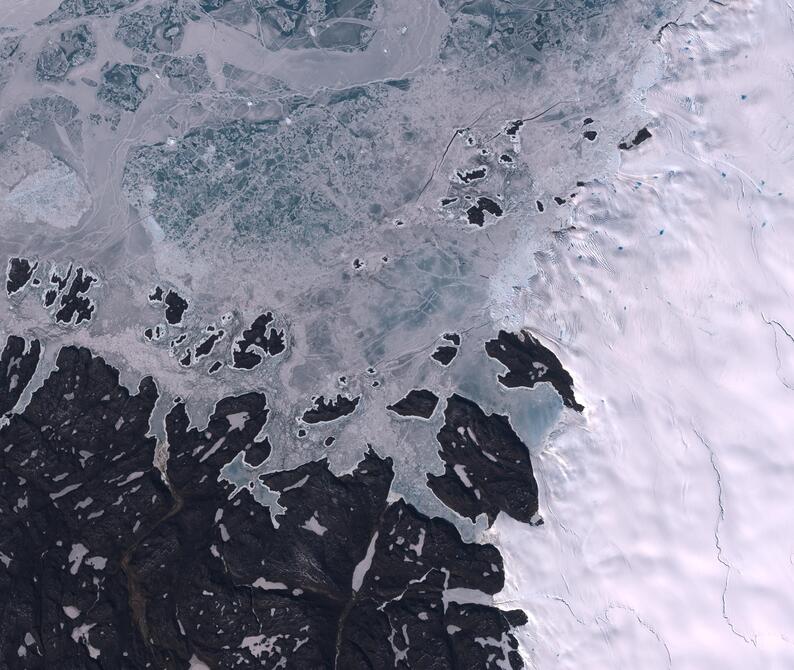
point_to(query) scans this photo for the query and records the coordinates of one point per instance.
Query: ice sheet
(669, 538)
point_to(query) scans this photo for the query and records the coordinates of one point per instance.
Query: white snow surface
(669, 506)
(262, 583)
(197, 664)
(71, 611)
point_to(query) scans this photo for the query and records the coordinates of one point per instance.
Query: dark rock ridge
(513, 127)
(418, 402)
(330, 410)
(529, 363)
(75, 306)
(452, 337)
(205, 348)
(444, 354)
(487, 469)
(66, 294)
(476, 213)
(155, 333)
(60, 281)
(256, 342)
(642, 135)
(192, 345)
(107, 563)
(156, 295)
(18, 274)
(187, 358)
(17, 364)
(475, 174)
(175, 307)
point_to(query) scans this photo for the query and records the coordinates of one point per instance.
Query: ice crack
(562, 600)
(717, 540)
(645, 625)
(772, 323)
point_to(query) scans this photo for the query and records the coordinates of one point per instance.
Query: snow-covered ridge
(669, 535)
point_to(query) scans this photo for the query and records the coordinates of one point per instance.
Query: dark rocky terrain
(487, 469)
(257, 342)
(529, 363)
(107, 562)
(418, 402)
(18, 274)
(331, 409)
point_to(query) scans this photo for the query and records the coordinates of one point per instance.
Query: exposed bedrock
(107, 562)
(487, 469)
(529, 363)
